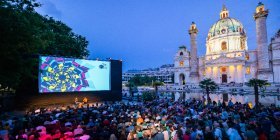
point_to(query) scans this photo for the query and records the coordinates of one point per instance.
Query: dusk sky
(147, 33)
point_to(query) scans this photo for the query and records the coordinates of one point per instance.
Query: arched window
(224, 46)
(181, 53)
(193, 28)
(242, 44)
(223, 69)
(247, 57)
(181, 63)
(248, 70)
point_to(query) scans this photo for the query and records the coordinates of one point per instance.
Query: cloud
(49, 8)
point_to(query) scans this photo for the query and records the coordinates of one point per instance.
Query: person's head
(147, 134)
(154, 131)
(216, 124)
(198, 136)
(187, 132)
(250, 127)
(207, 129)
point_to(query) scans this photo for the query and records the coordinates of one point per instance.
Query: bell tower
(182, 65)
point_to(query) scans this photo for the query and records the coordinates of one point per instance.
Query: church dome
(226, 26)
(226, 35)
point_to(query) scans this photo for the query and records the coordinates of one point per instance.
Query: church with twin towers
(227, 57)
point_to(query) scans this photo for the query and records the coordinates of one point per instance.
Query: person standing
(85, 100)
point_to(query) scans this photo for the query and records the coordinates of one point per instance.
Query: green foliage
(138, 80)
(148, 96)
(208, 84)
(257, 82)
(25, 34)
(157, 83)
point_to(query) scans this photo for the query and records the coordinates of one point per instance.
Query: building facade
(164, 73)
(227, 58)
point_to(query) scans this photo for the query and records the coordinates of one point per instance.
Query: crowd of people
(162, 119)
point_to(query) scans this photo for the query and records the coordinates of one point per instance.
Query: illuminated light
(224, 46)
(223, 69)
(204, 72)
(250, 105)
(248, 70)
(181, 63)
(247, 57)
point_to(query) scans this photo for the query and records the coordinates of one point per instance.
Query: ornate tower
(182, 66)
(194, 60)
(264, 69)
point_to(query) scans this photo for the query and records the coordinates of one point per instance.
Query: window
(248, 70)
(224, 46)
(223, 69)
(181, 63)
(242, 44)
(247, 57)
(223, 31)
(181, 53)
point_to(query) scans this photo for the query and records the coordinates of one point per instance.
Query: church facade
(227, 57)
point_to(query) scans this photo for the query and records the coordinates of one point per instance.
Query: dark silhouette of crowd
(161, 119)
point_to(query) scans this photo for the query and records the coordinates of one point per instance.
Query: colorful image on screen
(57, 74)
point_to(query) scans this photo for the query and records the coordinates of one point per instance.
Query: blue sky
(147, 33)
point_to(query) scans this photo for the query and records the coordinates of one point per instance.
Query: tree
(148, 96)
(25, 35)
(209, 86)
(155, 85)
(256, 84)
(130, 86)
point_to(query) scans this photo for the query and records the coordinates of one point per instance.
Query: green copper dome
(226, 26)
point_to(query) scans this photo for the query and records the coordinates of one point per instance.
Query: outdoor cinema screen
(57, 74)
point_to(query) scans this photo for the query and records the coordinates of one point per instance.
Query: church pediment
(223, 60)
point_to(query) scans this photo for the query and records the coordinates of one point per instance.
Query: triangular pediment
(223, 60)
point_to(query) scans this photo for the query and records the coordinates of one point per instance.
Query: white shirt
(166, 135)
(173, 135)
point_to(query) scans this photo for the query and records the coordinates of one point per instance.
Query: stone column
(219, 75)
(243, 73)
(212, 71)
(235, 73)
(264, 70)
(262, 45)
(194, 60)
